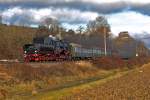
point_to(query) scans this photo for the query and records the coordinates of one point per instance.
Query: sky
(122, 15)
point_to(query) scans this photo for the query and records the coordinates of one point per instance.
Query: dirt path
(133, 86)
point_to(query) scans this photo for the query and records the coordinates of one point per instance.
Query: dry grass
(114, 62)
(12, 39)
(133, 86)
(20, 77)
(29, 77)
(3, 94)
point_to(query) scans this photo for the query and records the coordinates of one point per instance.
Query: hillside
(132, 86)
(41, 80)
(18, 79)
(12, 38)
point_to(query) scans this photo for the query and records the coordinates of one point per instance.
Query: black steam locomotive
(51, 48)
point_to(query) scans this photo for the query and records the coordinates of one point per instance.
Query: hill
(12, 38)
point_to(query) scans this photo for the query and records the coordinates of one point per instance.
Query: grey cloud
(102, 8)
(144, 9)
(145, 37)
(83, 6)
(105, 8)
(22, 19)
(22, 16)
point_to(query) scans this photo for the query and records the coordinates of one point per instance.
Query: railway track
(38, 64)
(21, 61)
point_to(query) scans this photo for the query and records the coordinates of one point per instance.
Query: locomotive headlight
(25, 51)
(35, 51)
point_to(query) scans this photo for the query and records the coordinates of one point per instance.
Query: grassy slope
(22, 80)
(46, 78)
(59, 94)
(132, 86)
(20, 77)
(12, 38)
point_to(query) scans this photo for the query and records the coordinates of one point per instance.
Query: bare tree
(91, 26)
(52, 24)
(80, 29)
(98, 25)
(99, 30)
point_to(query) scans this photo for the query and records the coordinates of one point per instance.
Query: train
(53, 49)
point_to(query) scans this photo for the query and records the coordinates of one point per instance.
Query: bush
(109, 62)
(117, 62)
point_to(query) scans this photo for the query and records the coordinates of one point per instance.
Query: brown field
(21, 78)
(133, 86)
(17, 79)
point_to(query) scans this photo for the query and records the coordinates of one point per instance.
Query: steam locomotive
(53, 49)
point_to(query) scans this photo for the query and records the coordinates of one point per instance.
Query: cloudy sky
(122, 15)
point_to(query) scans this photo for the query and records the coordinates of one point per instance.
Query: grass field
(65, 80)
(62, 93)
(22, 81)
(135, 85)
